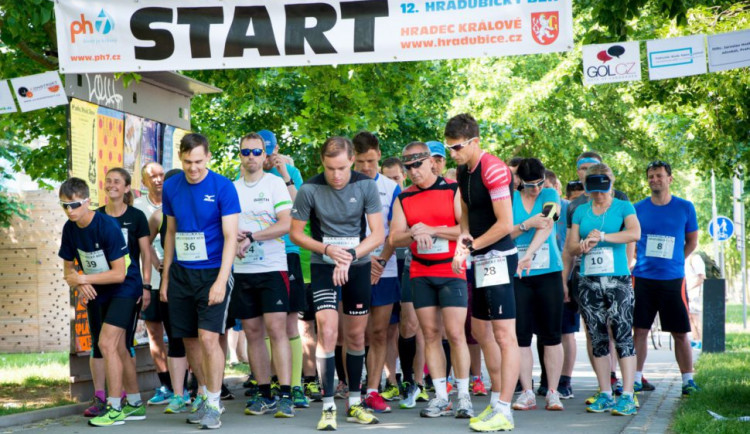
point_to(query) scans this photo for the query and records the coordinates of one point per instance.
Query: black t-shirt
(133, 223)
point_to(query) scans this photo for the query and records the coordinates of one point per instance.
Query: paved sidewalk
(654, 416)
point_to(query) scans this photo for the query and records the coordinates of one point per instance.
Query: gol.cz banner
(148, 35)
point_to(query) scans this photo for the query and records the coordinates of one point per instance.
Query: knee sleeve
(176, 348)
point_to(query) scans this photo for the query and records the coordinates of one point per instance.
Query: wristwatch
(289, 183)
(353, 253)
(523, 227)
(250, 236)
(147, 286)
(471, 248)
(382, 262)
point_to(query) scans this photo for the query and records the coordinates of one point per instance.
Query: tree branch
(36, 57)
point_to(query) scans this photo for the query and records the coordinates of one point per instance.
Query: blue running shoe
(602, 403)
(625, 406)
(161, 397)
(690, 388)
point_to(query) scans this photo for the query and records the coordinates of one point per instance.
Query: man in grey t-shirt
(339, 204)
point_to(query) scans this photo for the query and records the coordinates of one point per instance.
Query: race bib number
(600, 260)
(491, 270)
(343, 242)
(660, 246)
(540, 260)
(191, 246)
(254, 253)
(93, 262)
(439, 245)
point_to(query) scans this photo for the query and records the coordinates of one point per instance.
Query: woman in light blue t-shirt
(537, 285)
(600, 232)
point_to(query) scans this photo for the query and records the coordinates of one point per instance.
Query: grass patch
(236, 370)
(724, 379)
(17, 368)
(734, 314)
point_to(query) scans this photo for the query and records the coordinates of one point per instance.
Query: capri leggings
(539, 302)
(608, 300)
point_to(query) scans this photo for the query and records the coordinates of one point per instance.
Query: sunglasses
(414, 165)
(657, 164)
(73, 205)
(257, 152)
(533, 184)
(458, 146)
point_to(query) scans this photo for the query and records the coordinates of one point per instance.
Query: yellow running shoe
(327, 420)
(496, 421)
(358, 414)
(486, 412)
(590, 400)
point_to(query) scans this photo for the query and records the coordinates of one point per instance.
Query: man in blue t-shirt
(669, 233)
(202, 210)
(110, 285)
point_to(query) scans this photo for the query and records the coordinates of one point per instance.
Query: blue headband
(587, 160)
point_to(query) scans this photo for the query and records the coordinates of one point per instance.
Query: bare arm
(217, 293)
(168, 257)
(691, 242)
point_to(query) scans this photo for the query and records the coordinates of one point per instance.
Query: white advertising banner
(39, 91)
(611, 63)
(729, 50)
(153, 35)
(7, 105)
(676, 57)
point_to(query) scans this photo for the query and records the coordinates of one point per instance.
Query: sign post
(739, 221)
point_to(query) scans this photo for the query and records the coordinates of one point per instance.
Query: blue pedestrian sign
(721, 228)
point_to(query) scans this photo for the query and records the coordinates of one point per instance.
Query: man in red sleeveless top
(425, 218)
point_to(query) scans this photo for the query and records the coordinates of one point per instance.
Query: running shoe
(464, 408)
(109, 418)
(312, 389)
(566, 391)
(211, 417)
(542, 390)
(327, 420)
(690, 387)
(590, 400)
(275, 389)
(422, 396)
(226, 394)
(176, 405)
(358, 414)
(198, 403)
(259, 405)
(617, 388)
(478, 388)
(698, 345)
(298, 398)
(161, 397)
(635, 399)
(437, 407)
(98, 407)
(251, 385)
(495, 421)
(375, 402)
(643, 386)
(449, 388)
(625, 406)
(525, 401)
(481, 416)
(285, 408)
(342, 391)
(410, 398)
(602, 403)
(391, 392)
(135, 411)
(552, 401)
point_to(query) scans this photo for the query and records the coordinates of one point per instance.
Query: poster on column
(6, 98)
(166, 150)
(153, 35)
(83, 144)
(729, 50)
(39, 91)
(131, 154)
(676, 57)
(177, 136)
(109, 137)
(149, 145)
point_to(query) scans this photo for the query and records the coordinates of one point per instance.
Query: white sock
(115, 403)
(441, 388)
(462, 384)
(638, 376)
(686, 377)
(214, 398)
(355, 398)
(328, 403)
(607, 392)
(369, 391)
(504, 407)
(134, 398)
(494, 398)
(203, 389)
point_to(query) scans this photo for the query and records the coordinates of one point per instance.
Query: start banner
(153, 35)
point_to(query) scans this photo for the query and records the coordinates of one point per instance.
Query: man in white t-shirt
(695, 274)
(261, 294)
